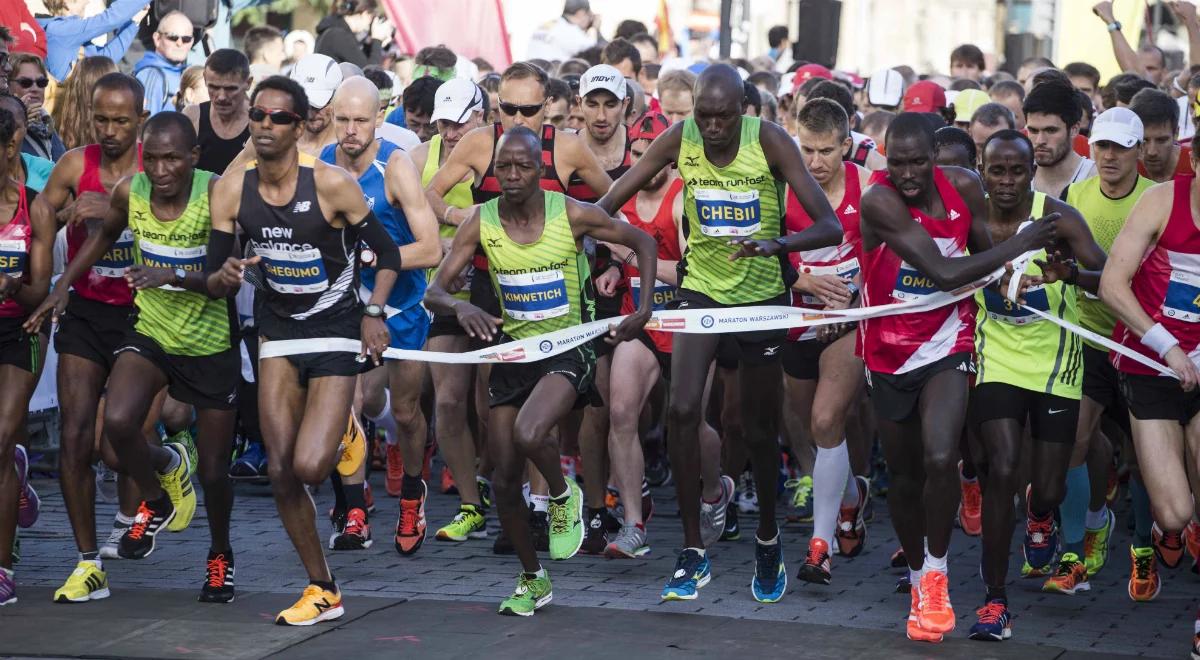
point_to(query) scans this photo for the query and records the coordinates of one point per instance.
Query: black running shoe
(658, 472)
(595, 538)
(218, 584)
(732, 531)
(539, 526)
(152, 517)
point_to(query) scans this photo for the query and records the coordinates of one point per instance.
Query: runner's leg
(14, 408)
(691, 357)
(634, 372)
(80, 383)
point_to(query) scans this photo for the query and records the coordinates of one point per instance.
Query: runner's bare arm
(1124, 53)
(59, 188)
(243, 159)
(578, 159)
(41, 263)
(590, 220)
(1076, 237)
(438, 299)
(404, 190)
(465, 159)
(223, 268)
(661, 153)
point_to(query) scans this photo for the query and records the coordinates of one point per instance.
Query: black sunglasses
(511, 109)
(30, 82)
(278, 117)
(181, 38)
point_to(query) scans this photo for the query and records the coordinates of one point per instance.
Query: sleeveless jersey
(459, 197)
(409, 288)
(1017, 347)
(309, 266)
(1167, 285)
(182, 322)
(16, 237)
(581, 191)
(740, 200)
(1105, 217)
(216, 153)
(840, 260)
(898, 344)
(543, 286)
(105, 281)
(662, 227)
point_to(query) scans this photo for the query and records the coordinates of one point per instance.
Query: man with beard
(1052, 116)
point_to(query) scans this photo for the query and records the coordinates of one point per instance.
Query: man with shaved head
(392, 188)
(533, 240)
(733, 168)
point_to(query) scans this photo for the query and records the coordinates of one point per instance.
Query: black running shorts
(209, 382)
(19, 348)
(1051, 418)
(755, 347)
(895, 396)
(93, 330)
(315, 365)
(511, 383)
(1159, 397)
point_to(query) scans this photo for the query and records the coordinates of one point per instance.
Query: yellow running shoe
(353, 448)
(178, 486)
(315, 605)
(86, 582)
(1096, 542)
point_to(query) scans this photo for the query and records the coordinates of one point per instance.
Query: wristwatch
(781, 242)
(180, 274)
(373, 311)
(1115, 26)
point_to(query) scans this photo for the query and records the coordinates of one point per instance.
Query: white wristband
(1159, 340)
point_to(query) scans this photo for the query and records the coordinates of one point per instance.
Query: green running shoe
(186, 438)
(468, 524)
(177, 484)
(532, 594)
(566, 523)
(1095, 544)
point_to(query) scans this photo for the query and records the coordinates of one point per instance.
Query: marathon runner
(1027, 367)
(918, 364)
(524, 233)
(303, 221)
(26, 244)
(180, 341)
(734, 207)
(391, 188)
(1052, 118)
(222, 123)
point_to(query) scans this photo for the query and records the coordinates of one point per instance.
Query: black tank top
(308, 266)
(216, 153)
(581, 191)
(489, 186)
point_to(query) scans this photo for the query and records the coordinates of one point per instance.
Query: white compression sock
(935, 563)
(385, 421)
(829, 481)
(850, 495)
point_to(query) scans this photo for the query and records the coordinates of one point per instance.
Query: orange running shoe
(1168, 546)
(816, 567)
(1191, 538)
(970, 512)
(410, 528)
(851, 532)
(1069, 578)
(1144, 583)
(915, 632)
(936, 614)
(395, 470)
(448, 485)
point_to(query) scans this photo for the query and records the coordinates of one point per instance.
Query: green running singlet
(458, 197)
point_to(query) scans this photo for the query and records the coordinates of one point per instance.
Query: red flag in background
(28, 34)
(471, 28)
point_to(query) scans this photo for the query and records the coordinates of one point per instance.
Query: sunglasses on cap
(511, 109)
(30, 82)
(179, 38)
(278, 117)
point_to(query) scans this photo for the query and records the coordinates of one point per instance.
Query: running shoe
(770, 575)
(1168, 546)
(1070, 578)
(218, 578)
(353, 448)
(8, 587)
(802, 500)
(936, 613)
(1096, 543)
(86, 582)
(109, 549)
(355, 535)
(28, 502)
(595, 539)
(448, 486)
(106, 483)
(138, 540)
(914, 630)
(468, 523)
(566, 523)
(629, 544)
(994, 624)
(851, 533)
(898, 560)
(658, 472)
(1041, 543)
(177, 484)
(970, 510)
(903, 585)
(185, 438)
(647, 503)
(315, 605)
(410, 526)
(817, 565)
(252, 463)
(692, 571)
(1114, 484)
(395, 471)
(1191, 538)
(1144, 582)
(539, 529)
(532, 594)
(485, 493)
(747, 498)
(712, 515)
(732, 531)
(368, 497)
(570, 467)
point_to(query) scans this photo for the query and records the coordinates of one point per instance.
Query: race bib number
(1182, 301)
(534, 296)
(727, 213)
(190, 259)
(12, 258)
(117, 259)
(663, 293)
(294, 271)
(1004, 310)
(911, 284)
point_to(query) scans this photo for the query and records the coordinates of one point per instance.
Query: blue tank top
(410, 284)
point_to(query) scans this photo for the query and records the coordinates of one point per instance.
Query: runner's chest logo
(302, 206)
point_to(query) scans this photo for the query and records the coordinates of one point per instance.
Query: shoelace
(140, 522)
(991, 613)
(1040, 531)
(1142, 567)
(1066, 567)
(1171, 541)
(768, 567)
(558, 518)
(815, 556)
(355, 524)
(408, 517)
(934, 593)
(973, 497)
(217, 566)
(800, 492)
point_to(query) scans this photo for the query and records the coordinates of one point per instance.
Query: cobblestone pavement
(861, 597)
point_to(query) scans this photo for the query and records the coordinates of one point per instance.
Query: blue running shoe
(770, 576)
(1041, 541)
(692, 571)
(994, 623)
(251, 464)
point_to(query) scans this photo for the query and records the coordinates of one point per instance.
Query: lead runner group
(166, 245)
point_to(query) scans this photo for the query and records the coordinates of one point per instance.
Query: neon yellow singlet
(458, 197)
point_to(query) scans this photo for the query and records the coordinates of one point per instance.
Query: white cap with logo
(320, 76)
(885, 88)
(1119, 125)
(606, 77)
(456, 99)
